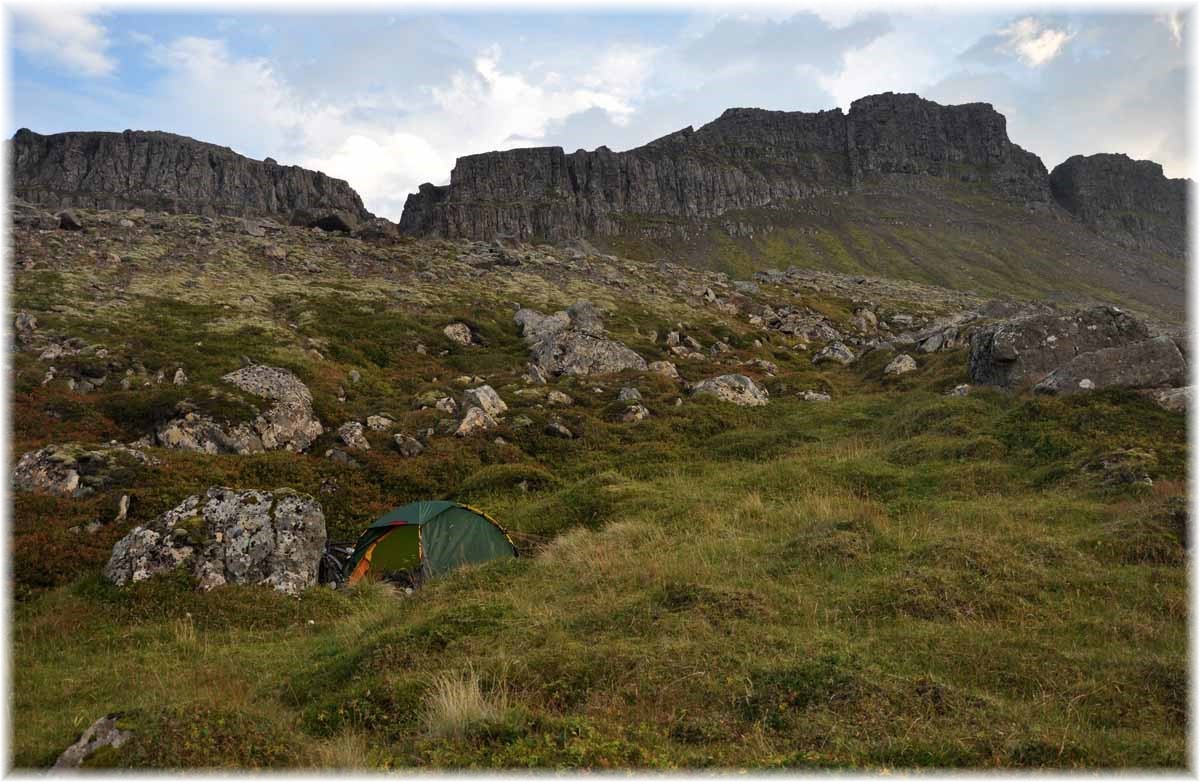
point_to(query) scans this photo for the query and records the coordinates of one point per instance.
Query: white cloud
(1174, 22)
(65, 36)
(895, 62)
(382, 145)
(1032, 42)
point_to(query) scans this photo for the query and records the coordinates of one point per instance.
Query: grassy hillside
(944, 233)
(895, 578)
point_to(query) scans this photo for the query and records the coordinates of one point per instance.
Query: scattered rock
(738, 389)
(1176, 400)
(379, 423)
(68, 220)
(635, 413)
(900, 365)
(962, 389)
(459, 333)
(556, 397)
(485, 398)
(228, 537)
(571, 342)
(74, 470)
(814, 396)
(101, 733)
(408, 446)
(180, 378)
(555, 429)
(629, 394)
(664, 368)
(474, 421)
(835, 352)
(351, 433)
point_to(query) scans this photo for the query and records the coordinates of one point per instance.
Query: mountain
(163, 171)
(746, 158)
(898, 186)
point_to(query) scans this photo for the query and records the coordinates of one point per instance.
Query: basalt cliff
(753, 159)
(167, 172)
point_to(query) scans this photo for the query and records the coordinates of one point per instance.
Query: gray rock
(223, 537)
(737, 389)
(570, 343)
(485, 398)
(75, 470)
(379, 423)
(835, 352)
(814, 396)
(556, 397)
(635, 413)
(459, 333)
(475, 421)
(1022, 351)
(166, 172)
(69, 221)
(1175, 400)
(1148, 364)
(556, 429)
(101, 733)
(664, 368)
(900, 365)
(351, 433)
(180, 378)
(629, 394)
(408, 446)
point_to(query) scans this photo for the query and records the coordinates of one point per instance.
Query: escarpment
(163, 171)
(747, 158)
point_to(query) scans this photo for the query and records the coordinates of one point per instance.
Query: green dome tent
(429, 538)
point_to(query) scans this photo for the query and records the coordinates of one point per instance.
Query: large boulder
(74, 470)
(1152, 363)
(289, 424)
(485, 398)
(738, 389)
(1022, 351)
(228, 537)
(572, 342)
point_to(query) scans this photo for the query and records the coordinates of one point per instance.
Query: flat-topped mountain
(747, 158)
(156, 170)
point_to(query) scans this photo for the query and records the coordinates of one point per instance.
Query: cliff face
(164, 171)
(1126, 200)
(746, 158)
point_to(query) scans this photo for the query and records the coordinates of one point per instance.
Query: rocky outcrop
(74, 470)
(228, 537)
(1022, 351)
(745, 159)
(572, 342)
(166, 172)
(1125, 200)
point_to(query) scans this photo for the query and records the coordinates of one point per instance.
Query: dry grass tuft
(457, 705)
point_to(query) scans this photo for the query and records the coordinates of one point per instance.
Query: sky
(388, 99)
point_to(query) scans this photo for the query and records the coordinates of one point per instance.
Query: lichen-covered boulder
(835, 352)
(572, 342)
(900, 365)
(351, 433)
(1175, 400)
(737, 389)
(228, 537)
(75, 470)
(475, 420)
(485, 398)
(289, 424)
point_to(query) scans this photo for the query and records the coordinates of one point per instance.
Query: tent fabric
(445, 535)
